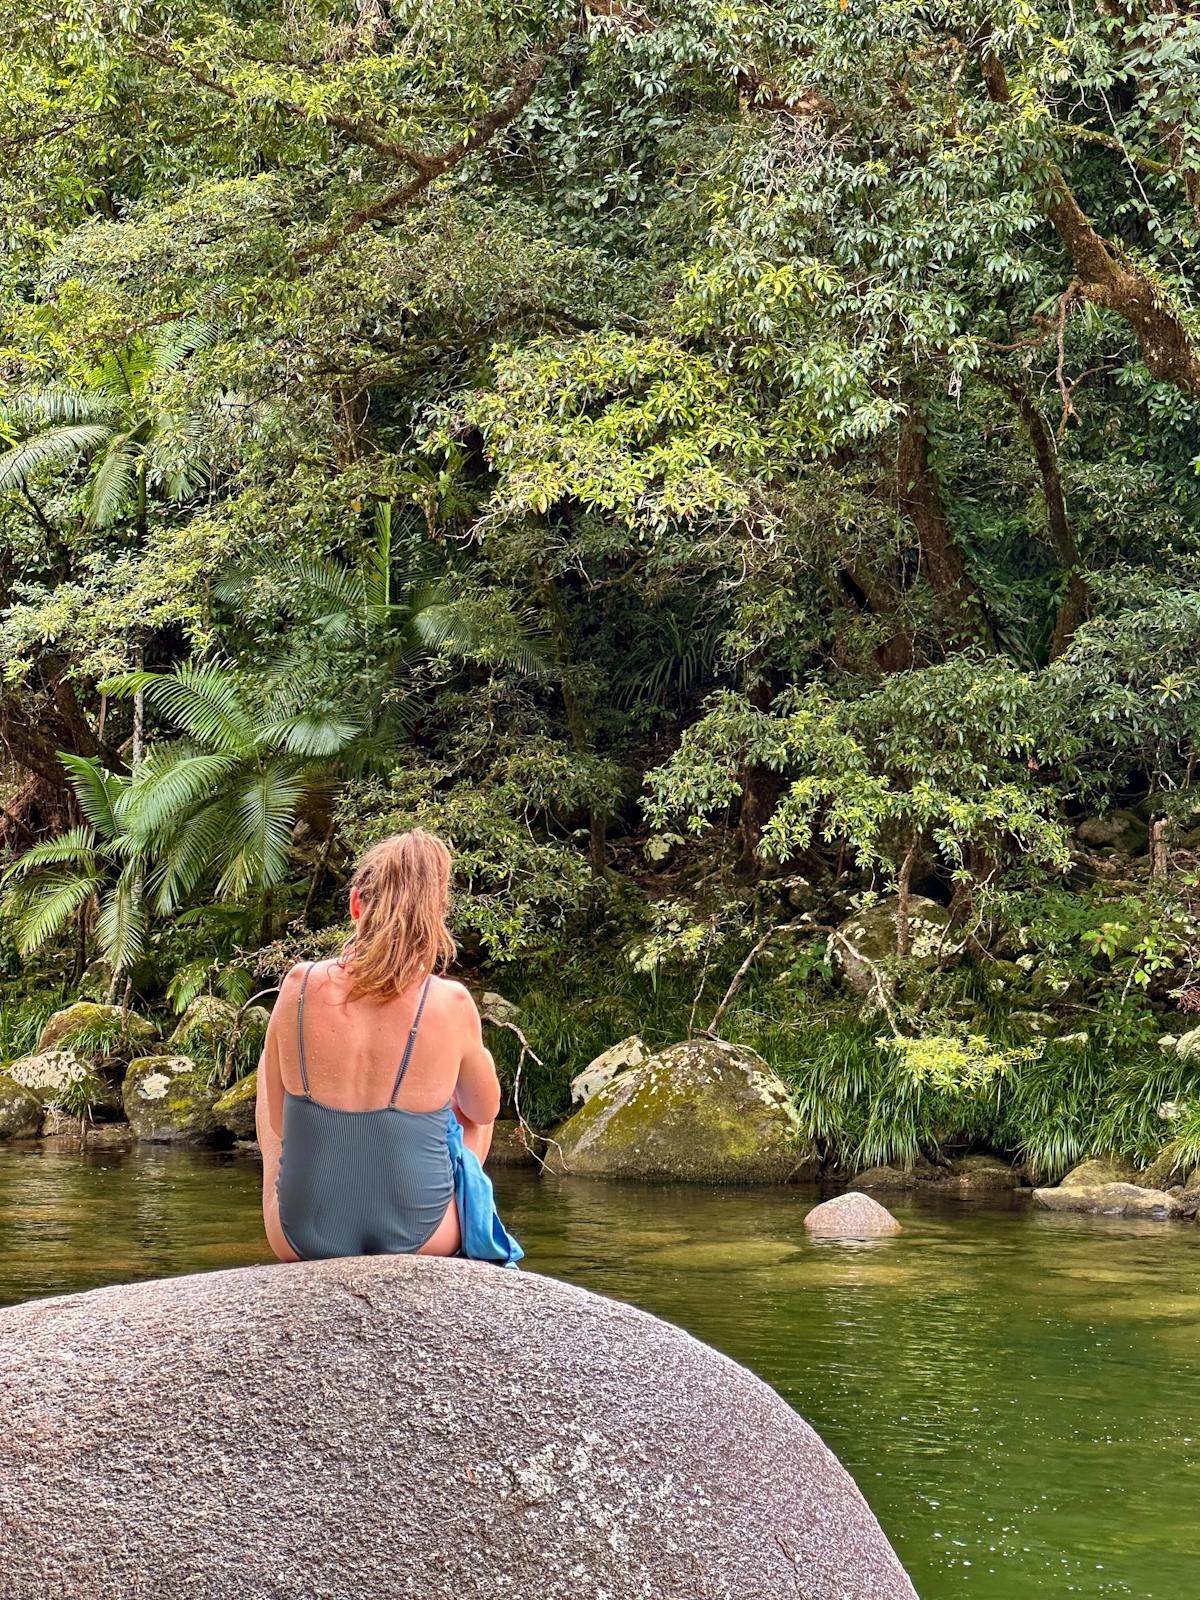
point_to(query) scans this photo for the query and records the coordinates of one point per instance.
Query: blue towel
(484, 1236)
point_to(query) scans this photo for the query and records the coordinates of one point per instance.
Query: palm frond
(75, 848)
(51, 405)
(193, 849)
(100, 793)
(114, 487)
(173, 780)
(205, 701)
(312, 734)
(54, 900)
(179, 340)
(377, 571)
(266, 813)
(121, 925)
(54, 447)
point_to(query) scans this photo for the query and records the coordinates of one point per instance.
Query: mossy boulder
(208, 1024)
(977, 1177)
(702, 1112)
(1110, 1200)
(1115, 830)
(617, 1058)
(870, 937)
(234, 1111)
(63, 1078)
(100, 1030)
(1100, 1170)
(167, 1101)
(20, 1111)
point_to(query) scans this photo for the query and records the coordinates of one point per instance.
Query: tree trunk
(1105, 277)
(1073, 607)
(904, 899)
(1160, 854)
(959, 608)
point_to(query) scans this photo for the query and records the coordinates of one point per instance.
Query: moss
(97, 1028)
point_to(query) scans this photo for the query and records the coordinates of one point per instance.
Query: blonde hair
(401, 935)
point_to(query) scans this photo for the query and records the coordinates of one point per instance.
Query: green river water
(1017, 1393)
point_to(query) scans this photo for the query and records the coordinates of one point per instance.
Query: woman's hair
(401, 935)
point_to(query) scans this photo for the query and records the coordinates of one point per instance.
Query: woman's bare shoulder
(456, 997)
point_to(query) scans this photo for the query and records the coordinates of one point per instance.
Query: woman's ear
(355, 904)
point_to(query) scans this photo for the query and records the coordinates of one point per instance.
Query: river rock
(977, 1177)
(20, 1111)
(119, 1030)
(396, 1426)
(1100, 1170)
(897, 1179)
(59, 1077)
(510, 1146)
(208, 1024)
(629, 1052)
(234, 1111)
(871, 938)
(1164, 1170)
(704, 1112)
(168, 1102)
(1110, 1200)
(851, 1216)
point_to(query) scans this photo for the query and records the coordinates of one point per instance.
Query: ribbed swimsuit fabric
(361, 1183)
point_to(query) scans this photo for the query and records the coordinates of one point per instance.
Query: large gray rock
(851, 1216)
(607, 1065)
(1098, 1171)
(99, 1031)
(703, 1112)
(20, 1111)
(1110, 1200)
(866, 941)
(167, 1101)
(63, 1078)
(399, 1428)
(235, 1110)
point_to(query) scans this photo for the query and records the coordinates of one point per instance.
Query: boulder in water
(851, 1216)
(390, 1426)
(1110, 1200)
(704, 1112)
(234, 1111)
(62, 1078)
(20, 1111)
(168, 1102)
(617, 1058)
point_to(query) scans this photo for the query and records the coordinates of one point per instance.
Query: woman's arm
(477, 1092)
(268, 1119)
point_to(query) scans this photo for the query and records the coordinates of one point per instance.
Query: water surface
(1017, 1393)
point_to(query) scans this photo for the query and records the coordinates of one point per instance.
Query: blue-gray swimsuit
(361, 1183)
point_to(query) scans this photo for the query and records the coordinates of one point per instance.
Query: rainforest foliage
(720, 464)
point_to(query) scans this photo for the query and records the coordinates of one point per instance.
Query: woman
(376, 1093)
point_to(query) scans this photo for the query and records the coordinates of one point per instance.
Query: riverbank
(1011, 1389)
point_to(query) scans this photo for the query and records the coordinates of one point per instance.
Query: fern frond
(55, 447)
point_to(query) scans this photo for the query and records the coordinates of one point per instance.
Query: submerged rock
(1110, 1200)
(851, 1216)
(20, 1111)
(168, 1102)
(617, 1058)
(302, 1430)
(234, 1111)
(976, 1177)
(897, 1179)
(1100, 1170)
(705, 1112)
(101, 1030)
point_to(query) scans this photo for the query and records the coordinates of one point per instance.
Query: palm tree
(219, 803)
(113, 420)
(94, 869)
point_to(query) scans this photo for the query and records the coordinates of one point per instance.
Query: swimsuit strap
(300, 1029)
(412, 1035)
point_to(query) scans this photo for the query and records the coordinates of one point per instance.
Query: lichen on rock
(604, 1068)
(58, 1077)
(234, 1111)
(167, 1101)
(704, 1111)
(20, 1111)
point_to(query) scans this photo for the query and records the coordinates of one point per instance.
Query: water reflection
(1017, 1393)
